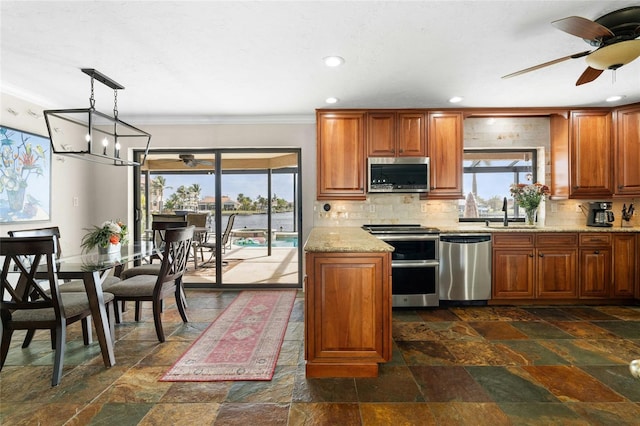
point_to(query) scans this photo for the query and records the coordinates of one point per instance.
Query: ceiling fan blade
(588, 76)
(546, 64)
(582, 27)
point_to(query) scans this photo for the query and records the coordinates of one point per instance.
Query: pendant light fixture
(91, 135)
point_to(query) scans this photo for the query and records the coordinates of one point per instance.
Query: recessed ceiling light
(331, 100)
(455, 99)
(614, 98)
(333, 61)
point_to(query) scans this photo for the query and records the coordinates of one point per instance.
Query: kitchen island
(347, 303)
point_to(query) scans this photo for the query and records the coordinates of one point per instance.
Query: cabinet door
(411, 135)
(591, 154)
(595, 272)
(627, 170)
(556, 273)
(625, 265)
(381, 134)
(512, 272)
(349, 309)
(445, 151)
(341, 160)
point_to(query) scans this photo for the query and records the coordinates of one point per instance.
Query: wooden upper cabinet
(445, 147)
(591, 151)
(627, 158)
(340, 155)
(396, 134)
(559, 128)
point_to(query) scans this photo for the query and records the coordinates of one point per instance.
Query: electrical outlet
(372, 208)
(75, 201)
(554, 208)
(578, 209)
(423, 207)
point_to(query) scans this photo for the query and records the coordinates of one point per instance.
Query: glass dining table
(92, 269)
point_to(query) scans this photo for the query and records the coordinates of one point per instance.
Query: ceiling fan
(615, 36)
(190, 160)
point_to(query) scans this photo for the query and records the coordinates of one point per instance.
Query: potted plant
(107, 237)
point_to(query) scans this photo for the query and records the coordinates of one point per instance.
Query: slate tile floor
(451, 366)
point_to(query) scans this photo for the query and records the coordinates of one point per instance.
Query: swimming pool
(279, 241)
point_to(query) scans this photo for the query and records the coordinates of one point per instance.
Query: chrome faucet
(504, 209)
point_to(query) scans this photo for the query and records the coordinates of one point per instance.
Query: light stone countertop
(347, 239)
(521, 227)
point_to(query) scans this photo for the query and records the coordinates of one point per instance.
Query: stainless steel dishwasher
(465, 267)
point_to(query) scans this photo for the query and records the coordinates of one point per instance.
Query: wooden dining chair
(158, 228)
(67, 286)
(155, 288)
(51, 309)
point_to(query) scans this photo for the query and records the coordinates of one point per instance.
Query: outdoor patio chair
(51, 309)
(199, 220)
(155, 288)
(210, 246)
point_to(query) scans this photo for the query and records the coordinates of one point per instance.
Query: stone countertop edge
(346, 239)
(478, 228)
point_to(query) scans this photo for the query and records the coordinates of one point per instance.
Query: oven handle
(415, 264)
(408, 237)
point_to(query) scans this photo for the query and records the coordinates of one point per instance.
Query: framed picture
(25, 176)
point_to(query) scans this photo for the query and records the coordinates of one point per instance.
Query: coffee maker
(600, 214)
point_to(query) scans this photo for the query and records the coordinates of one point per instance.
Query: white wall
(106, 192)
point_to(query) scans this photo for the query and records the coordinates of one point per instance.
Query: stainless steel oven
(415, 263)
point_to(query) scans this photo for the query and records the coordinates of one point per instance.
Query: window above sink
(487, 175)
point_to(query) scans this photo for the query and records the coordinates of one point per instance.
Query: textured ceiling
(208, 61)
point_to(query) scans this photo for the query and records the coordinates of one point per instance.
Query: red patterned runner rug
(243, 343)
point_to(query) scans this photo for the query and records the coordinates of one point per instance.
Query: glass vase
(530, 215)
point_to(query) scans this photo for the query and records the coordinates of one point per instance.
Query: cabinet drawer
(521, 239)
(556, 239)
(595, 239)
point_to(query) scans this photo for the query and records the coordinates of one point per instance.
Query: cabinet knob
(596, 252)
(541, 255)
(530, 255)
(620, 186)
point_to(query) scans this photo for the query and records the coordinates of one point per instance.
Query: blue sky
(232, 184)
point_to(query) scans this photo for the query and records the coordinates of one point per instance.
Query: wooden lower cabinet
(556, 265)
(347, 314)
(625, 255)
(535, 266)
(562, 266)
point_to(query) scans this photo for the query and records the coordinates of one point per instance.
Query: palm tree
(158, 185)
(194, 194)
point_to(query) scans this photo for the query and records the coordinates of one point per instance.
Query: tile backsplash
(409, 208)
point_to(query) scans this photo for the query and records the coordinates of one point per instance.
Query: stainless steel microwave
(398, 174)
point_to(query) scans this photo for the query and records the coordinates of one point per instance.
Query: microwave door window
(399, 175)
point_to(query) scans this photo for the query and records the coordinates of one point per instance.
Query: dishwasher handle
(465, 239)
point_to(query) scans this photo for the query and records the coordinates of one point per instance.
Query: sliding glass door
(250, 199)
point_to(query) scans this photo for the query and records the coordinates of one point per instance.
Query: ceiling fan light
(615, 55)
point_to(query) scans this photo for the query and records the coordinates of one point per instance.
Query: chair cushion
(148, 269)
(78, 285)
(74, 304)
(137, 286)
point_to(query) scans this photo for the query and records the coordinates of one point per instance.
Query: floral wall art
(25, 176)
